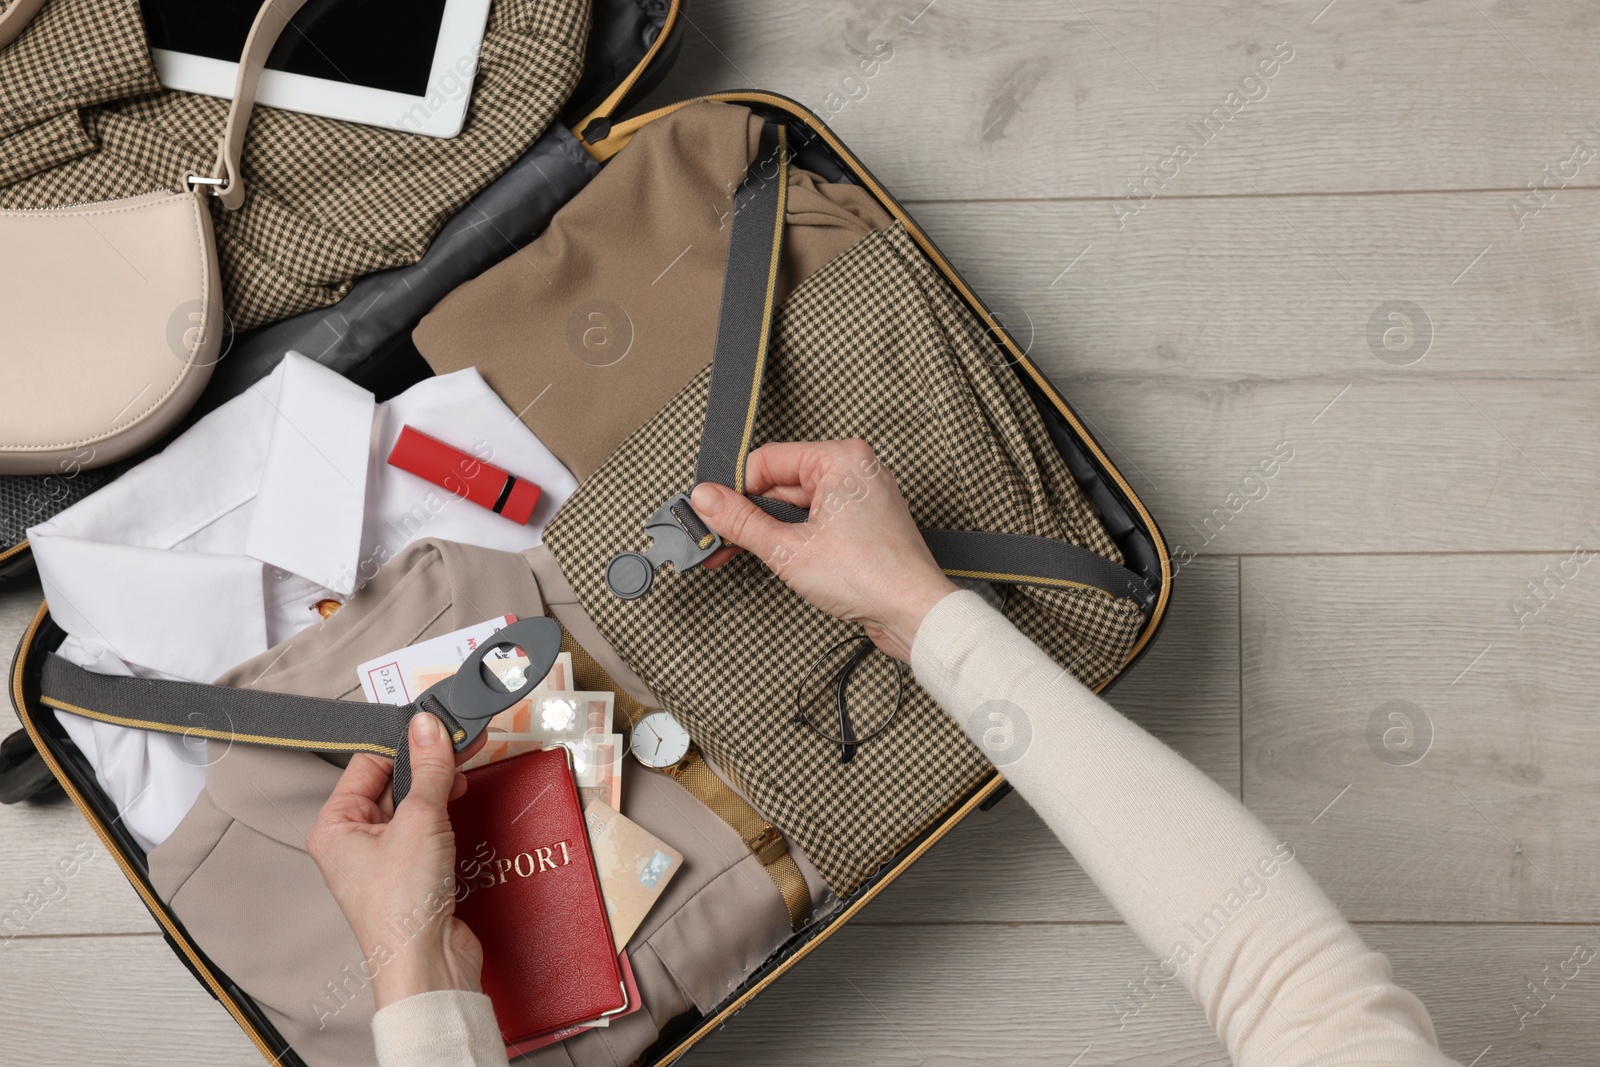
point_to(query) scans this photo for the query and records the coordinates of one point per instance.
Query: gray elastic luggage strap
(744, 320)
(248, 716)
(463, 703)
(744, 325)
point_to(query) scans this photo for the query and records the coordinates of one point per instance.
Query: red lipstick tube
(464, 475)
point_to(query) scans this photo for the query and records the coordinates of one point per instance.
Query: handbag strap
(16, 17)
(463, 702)
(739, 360)
(225, 181)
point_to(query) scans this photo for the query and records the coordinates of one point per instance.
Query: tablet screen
(382, 44)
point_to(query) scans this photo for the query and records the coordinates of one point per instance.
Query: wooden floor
(1344, 265)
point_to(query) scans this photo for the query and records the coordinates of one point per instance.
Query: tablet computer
(401, 64)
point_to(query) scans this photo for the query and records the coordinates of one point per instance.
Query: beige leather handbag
(111, 312)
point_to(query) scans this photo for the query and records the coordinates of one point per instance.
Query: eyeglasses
(851, 694)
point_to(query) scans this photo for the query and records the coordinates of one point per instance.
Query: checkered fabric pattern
(43, 145)
(327, 201)
(878, 345)
(75, 53)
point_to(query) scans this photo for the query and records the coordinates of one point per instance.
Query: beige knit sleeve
(1217, 898)
(445, 1028)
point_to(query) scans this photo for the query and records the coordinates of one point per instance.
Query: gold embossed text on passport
(490, 870)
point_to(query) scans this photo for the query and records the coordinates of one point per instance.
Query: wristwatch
(661, 743)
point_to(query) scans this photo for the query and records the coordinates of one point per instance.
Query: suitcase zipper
(612, 102)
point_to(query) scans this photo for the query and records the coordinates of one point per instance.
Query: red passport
(526, 885)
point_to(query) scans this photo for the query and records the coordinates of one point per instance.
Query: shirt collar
(163, 568)
(312, 494)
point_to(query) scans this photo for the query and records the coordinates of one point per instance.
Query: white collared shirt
(220, 546)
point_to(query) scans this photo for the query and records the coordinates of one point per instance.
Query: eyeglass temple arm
(847, 732)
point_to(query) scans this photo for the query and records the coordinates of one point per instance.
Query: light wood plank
(1251, 288)
(1004, 100)
(112, 1001)
(871, 995)
(1044, 994)
(1500, 819)
(59, 879)
(1005, 865)
(1404, 465)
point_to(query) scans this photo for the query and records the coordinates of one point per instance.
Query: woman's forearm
(1218, 899)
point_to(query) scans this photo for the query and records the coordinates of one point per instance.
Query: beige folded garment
(593, 328)
(238, 876)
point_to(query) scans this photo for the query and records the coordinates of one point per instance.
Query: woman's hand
(858, 557)
(393, 871)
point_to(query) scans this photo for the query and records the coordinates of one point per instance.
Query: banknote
(566, 716)
(633, 864)
(597, 766)
(542, 720)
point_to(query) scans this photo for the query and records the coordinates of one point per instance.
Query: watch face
(659, 740)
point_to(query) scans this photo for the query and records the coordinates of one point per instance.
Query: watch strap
(759, 835)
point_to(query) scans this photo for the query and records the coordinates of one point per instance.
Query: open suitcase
(388, 366)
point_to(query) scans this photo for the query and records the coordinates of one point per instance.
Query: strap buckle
(768, 845)
(193, 180)
(680, 538)
(472, 700)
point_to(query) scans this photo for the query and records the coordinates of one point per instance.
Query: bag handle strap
(739, 360)
(463, 702)
(15, 19)
(225, 181)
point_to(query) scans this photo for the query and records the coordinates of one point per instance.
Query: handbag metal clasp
(680, 538)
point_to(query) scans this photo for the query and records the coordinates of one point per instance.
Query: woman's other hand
(859, 556)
